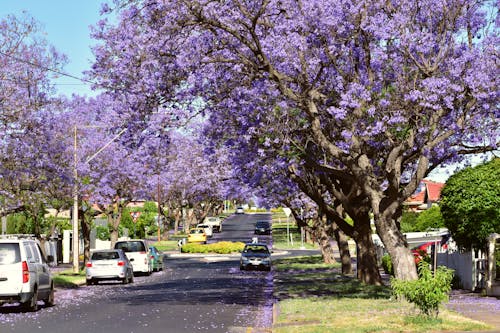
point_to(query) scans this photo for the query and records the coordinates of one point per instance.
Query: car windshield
(132, 246)
(256, 249)
(196, 231)
(108, 255)
(9, 253)
(262, 224)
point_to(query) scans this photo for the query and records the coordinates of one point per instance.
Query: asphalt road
(193, 294)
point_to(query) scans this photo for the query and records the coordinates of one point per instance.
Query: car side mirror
(132, 259)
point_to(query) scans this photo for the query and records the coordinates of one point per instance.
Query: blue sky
(66, 24)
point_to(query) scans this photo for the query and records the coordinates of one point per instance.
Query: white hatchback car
(24, 273)
(107, 265)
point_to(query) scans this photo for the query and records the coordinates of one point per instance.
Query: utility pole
(76, 236)
(159, 209)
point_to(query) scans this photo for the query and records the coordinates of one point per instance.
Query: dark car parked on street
(255, 255)
(262, 228)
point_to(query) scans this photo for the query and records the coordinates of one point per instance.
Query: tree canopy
(374, 93)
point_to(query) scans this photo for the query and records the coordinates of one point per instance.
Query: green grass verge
(169, 245)
(309, 263)
(68, 279)
(314, 297)
(280, 237)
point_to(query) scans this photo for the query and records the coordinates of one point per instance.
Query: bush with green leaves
(429, 219)
(219, 247)
(102, 232)
(428, 291)
(387, 264)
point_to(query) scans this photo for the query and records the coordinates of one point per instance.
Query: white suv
(137, 252)
(24, 273)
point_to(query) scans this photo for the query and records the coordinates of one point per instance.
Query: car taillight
(26, 272)
(88, 264)
(121, 263)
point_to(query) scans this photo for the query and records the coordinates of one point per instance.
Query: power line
(46, 68)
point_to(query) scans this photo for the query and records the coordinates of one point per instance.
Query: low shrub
(387, 264)
(428, 291)
(219, 247)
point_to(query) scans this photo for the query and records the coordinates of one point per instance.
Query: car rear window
(132, 246)
(9, 253)
(105, 255)
(256, 249)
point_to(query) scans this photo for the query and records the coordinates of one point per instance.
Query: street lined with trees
(336, 110)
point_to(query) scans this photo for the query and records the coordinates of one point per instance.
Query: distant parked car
(197, 235)
(240, 210)
(138, 254)
(156, 257)
(24, 273)
(215, 222)
(105, 265)
(208, 229)
(262, 228)
(255, 255)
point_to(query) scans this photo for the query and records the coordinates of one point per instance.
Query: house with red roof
(427, 194)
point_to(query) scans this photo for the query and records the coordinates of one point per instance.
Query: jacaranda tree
(387, 90)
(29, 156)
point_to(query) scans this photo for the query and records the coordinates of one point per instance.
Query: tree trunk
(345, 255)
(367, 263)
(114, 223)
(86, 228)
(324, 241)
(395, 243)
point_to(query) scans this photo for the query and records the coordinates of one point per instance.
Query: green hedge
(219, 247)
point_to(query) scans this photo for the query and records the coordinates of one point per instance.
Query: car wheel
(89, 282)
(49, 301)
(242, 268)
(32, 304)
(131, 278)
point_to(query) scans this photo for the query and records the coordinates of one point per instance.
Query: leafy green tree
(408, 221)
(471, 204)
(429, 219)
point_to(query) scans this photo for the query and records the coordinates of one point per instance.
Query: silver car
(109, 265)
(255, 256)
